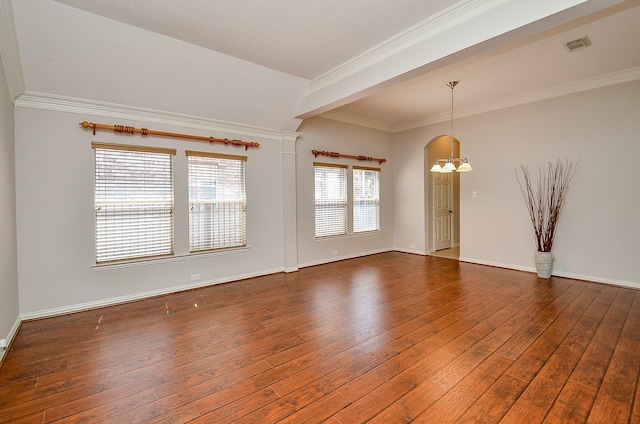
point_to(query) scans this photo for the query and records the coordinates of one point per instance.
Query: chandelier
(448, 165)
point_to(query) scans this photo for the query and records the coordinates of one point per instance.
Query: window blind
(366, 199)
(330, 199)
(217, 201)
(133, 202)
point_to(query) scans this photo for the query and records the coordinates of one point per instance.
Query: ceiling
(310, 38)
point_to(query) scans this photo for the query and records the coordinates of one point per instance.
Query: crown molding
(9, 50)
(286, 135)
(112, 110)
(445, 19)
(59, 103)
(613, 78)
(357, 120)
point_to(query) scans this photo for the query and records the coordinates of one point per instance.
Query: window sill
(358, 234)
(174, 258)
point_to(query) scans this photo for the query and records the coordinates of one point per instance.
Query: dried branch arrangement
(545, 200)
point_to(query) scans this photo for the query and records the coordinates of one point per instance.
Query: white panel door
(443, 210)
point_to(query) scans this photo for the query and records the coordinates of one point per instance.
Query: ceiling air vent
(578, 44)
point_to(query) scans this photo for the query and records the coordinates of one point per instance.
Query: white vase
(544, 263)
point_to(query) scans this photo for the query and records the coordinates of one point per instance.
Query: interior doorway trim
(435, 148)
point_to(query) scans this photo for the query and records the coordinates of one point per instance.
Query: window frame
(211, 240)
(326, 225)
(119, 195)
(374, 201)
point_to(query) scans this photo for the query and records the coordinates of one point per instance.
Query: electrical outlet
(195, 277)
(412, 246)
(334, 253)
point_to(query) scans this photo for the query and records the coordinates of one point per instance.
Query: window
(133, 202)
(217, 201)
(366, 199)
(330, 199)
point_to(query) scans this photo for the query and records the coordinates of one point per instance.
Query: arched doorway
(442, 201)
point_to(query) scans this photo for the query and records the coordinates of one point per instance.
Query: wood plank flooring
(388, 338)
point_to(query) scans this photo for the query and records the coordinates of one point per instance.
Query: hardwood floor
(388, 338)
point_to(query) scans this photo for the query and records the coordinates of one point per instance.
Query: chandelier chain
(449, 166)
(452, 85)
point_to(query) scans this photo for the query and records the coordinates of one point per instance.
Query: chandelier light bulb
(449, 166)
(465, 167)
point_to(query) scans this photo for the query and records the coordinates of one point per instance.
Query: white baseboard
(496, 264)
(630, 284)
(291, 269)
(144, 295)
(590, 278)
(412, 251)
(12, 335)
(341, 258)
(139, 296)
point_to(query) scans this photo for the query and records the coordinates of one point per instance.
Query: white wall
(324, 134)
(54, 179)
(411, 212)
(9, 313)
(598, 236)
(69, 52)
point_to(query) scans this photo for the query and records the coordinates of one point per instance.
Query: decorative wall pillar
(289, 212)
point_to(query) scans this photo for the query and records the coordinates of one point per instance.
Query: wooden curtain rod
(342, 155)
(144, 131)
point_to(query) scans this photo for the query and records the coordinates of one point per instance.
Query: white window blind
(217, 201)
(366, 199)
(133, 202)
(330, 199)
